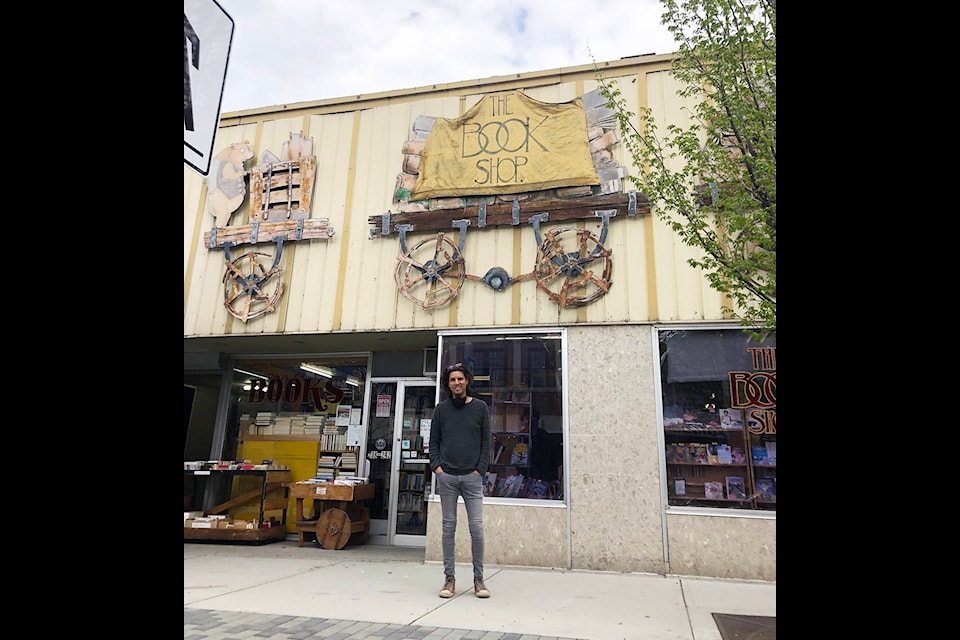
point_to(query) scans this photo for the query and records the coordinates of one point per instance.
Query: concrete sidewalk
(283, 591)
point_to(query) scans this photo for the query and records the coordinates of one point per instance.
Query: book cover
(731, 419)
(771, 452)
(511, 486)
(538, 489)
(712, 453)
(759, 453)
(519, 454)
(489, 482)
(680, 486)
(737, 455)
(736, 489)
(700, 452)
(724, 454)
(766, 488)
(713, 489)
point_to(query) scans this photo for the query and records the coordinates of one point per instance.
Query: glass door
(398, 460)
(412, 458)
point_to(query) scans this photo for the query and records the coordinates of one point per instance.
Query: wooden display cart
(271, 495)
(336, 516)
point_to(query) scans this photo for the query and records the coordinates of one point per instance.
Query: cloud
(287, 51)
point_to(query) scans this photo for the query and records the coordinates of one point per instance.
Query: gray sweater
(460, 438)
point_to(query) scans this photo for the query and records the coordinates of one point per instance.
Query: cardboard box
(222, 524)
(188, 523)
(190, 515)
(202, 524)
(237, 524)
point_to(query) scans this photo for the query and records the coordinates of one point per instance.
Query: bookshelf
(518, 379)
(719, 463)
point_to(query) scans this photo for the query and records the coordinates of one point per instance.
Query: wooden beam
(501, 214)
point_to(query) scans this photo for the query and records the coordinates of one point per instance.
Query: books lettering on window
(713, 489)
(736, 489)
(680, 486)
(766, 488)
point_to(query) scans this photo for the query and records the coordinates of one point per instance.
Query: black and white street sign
(207, 36)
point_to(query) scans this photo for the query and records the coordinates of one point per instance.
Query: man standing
(460, 455)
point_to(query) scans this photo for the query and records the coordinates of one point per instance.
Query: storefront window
(519, 376)
(293, 398)
(719, 391)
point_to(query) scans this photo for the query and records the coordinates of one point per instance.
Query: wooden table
(336, 514)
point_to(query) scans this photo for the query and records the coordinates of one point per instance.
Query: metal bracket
(516, 212)
(462, 225)
(632, 206)
(605, 214)
(402, 230)
(482, 215)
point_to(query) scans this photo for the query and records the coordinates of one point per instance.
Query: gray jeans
(470, 487)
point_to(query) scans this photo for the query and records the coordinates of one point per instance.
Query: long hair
(445, 382)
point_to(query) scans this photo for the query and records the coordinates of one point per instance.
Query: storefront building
(374, 240)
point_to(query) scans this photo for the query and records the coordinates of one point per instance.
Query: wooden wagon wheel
(333, 529)
(250, 289)
(431, 273)
(570, 278)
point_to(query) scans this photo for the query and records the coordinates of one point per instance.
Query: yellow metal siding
(346, 283)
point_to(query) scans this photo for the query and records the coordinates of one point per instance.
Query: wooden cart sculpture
(281, 190)
(573, 266)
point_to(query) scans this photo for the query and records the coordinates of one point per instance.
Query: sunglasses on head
(454, 366)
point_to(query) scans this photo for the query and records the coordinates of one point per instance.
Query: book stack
(349, 460)
(314, 424)
(264, 422)
(281, 425)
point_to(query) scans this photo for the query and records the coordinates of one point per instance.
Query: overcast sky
(287, 51)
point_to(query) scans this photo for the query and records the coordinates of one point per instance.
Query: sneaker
(480, 589)
(449, 588)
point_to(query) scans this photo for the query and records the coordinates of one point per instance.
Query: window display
(518, 375)
(719, 418)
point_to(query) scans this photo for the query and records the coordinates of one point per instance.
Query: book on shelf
(512, 486)
(771, 447)
(731, 419)
(766, 488)
(489, 482)
(736, 489)
(539, 489)
(519, 454)
(712, 453)
(699, 452)
(680, 486)
(724, 454)
(759, 453)
(713, 489)
(737, 455)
